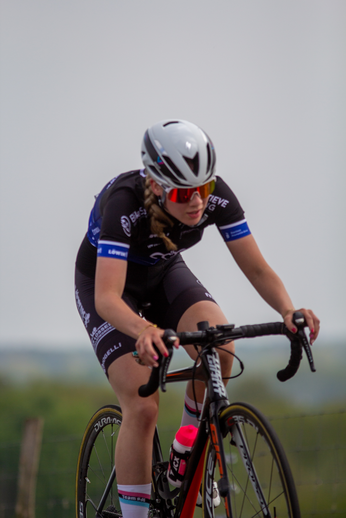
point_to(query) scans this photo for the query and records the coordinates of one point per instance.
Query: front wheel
(260, 479)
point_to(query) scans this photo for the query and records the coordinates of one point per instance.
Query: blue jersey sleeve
(235, 230)
(225, 211)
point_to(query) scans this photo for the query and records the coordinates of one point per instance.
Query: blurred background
(80, 83)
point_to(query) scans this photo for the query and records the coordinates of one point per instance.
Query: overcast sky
(81, 81)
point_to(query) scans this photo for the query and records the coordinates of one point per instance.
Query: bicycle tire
(268, 459)
(95, 465)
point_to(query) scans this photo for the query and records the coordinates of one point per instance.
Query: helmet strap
(161, 199)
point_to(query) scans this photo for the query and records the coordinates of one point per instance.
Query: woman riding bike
(131, 282)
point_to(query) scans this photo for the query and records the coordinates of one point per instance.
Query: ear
(156, 188)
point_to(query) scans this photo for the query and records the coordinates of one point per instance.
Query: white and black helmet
(177, 153)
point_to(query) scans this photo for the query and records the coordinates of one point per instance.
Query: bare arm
(109, 286)
(267, 283)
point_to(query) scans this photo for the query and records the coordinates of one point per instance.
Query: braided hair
(159, 219)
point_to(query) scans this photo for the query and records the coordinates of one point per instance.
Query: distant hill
(326, 386)
(24, 365)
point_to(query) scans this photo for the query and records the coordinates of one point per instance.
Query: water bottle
(180, 453)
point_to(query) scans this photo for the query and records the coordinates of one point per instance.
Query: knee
(226, 358)
(148, 412)
(142, 411)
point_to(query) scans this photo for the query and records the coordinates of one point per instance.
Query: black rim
(96, 464)
(271, 467)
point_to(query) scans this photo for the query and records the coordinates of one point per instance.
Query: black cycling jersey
(119, 226)
(159, 285)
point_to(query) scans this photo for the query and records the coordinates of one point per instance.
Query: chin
(192, 223)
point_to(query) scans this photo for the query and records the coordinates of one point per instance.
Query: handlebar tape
(278, 328)
(152, 385)
(271, 328)
(293, 365)
(158, 374)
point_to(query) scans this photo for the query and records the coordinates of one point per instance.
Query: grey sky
(81, 80)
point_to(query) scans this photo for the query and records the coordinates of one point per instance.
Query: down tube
(193, 478)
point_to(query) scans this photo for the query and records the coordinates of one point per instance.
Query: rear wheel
(261, 482)
(96, 492)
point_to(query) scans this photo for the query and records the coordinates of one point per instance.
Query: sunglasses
(183, 195)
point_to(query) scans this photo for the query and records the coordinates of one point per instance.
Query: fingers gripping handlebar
(224, 333)
(158, 374)
(298, 341)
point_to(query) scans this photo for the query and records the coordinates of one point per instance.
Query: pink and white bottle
(180, 453)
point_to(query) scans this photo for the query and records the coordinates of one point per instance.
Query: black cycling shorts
(164, 303)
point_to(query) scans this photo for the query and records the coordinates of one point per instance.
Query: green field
(309, 414)
(315, 443)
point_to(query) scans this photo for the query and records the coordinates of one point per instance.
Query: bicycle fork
(240, 442)
(216, 454)
(219, 400)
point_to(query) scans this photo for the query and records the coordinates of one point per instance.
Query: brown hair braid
(159, 220)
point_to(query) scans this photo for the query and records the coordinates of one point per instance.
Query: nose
(196, 193)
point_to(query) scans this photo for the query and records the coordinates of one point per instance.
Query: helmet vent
(170, 122)
(211, 159)
(153, 170)
(173, 167)
(193, 163)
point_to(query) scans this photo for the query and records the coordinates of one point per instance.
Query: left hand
(311, 319)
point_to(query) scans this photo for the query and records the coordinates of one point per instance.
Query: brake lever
(299, 320)
(164, 364)
(169, 337)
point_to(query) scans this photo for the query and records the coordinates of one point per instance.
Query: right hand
(145, 345)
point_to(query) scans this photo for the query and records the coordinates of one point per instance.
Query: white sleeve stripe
(233, 224)
(113, 243)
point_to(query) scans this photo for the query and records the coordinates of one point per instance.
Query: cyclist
(132, 283)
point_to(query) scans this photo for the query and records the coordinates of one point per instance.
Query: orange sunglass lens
(184, 195)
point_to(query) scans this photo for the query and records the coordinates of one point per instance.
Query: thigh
(212, 313)
(178, 290)
(203, 310)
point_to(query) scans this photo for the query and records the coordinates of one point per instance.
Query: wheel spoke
(266, 489)
(96, 464)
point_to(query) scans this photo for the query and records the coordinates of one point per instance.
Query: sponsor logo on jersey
(235, 231)
(113, 249)
(158, 255)
(126, 221)
(126, 224)
(213, 201)
(140, 213)
(95, 231)
(154, 244)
